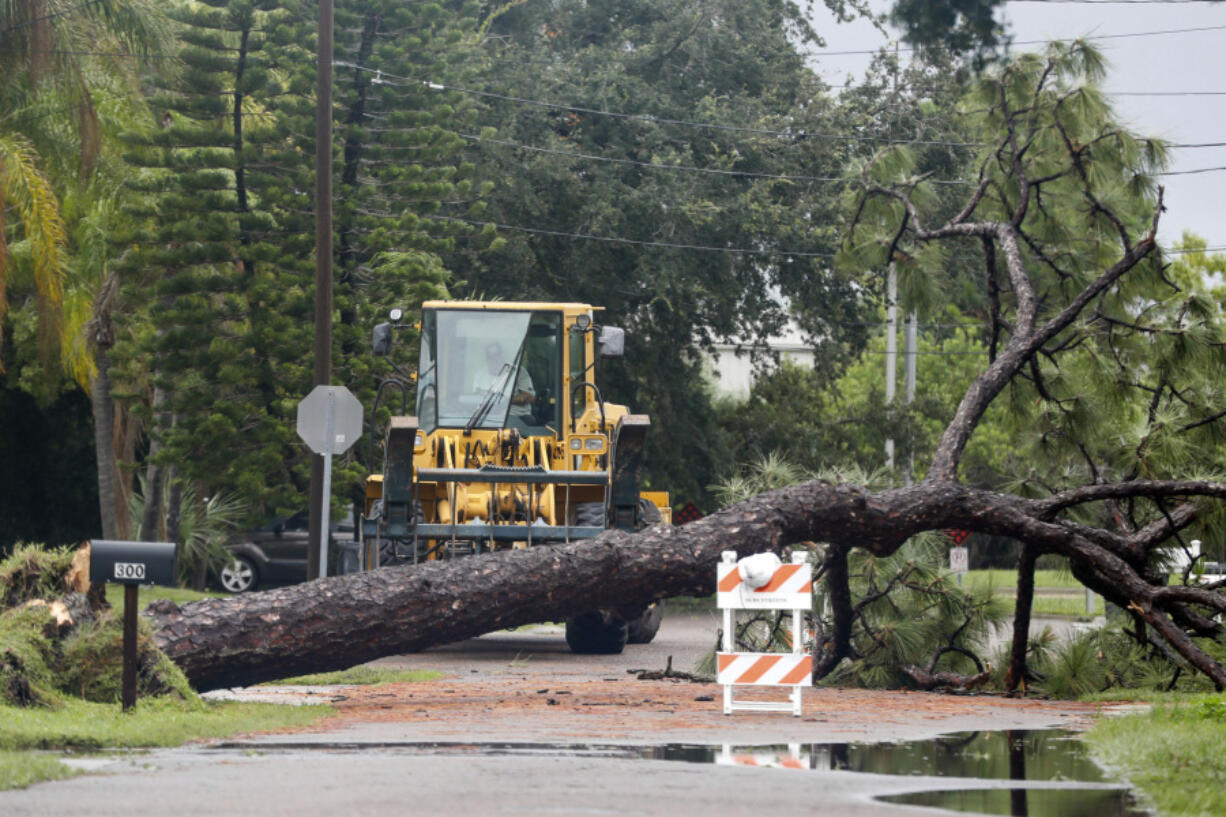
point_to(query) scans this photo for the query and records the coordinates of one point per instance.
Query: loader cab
(491, 369)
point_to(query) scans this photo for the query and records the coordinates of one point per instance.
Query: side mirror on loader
(611, 342)
(381, 340)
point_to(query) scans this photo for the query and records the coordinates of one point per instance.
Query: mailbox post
(131, 564)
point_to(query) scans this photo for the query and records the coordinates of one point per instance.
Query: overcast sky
(1190, 61)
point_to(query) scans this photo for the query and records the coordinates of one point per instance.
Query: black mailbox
(132, 562)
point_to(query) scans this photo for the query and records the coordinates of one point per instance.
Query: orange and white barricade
(789, 588)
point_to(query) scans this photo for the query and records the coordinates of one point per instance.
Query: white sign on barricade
(790, 587)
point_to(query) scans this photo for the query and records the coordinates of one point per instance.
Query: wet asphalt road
(382, 768)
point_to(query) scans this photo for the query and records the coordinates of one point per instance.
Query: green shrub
(27, 657)
(32, 572)
(91, 664)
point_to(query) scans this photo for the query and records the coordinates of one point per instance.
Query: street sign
(329, 422)
(959, 561)
(329, 419)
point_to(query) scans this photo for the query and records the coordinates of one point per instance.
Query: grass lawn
(20, 769)
(1007, 579)
(81, 725)
(153, 592)
(154, 722)
(1175, 753)
(1058, 601)
(1065, 606)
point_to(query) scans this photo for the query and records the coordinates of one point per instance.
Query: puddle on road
(1028, 802)
(1011, 755)
(1048, 755)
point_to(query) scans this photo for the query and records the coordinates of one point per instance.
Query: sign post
(131, 564)
(329, 422)
(959, 561)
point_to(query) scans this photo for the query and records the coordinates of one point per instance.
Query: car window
(300, 521)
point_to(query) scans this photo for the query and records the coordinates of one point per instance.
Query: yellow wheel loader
(512, 445)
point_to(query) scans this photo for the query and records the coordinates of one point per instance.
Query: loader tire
(643, 629)
(388, 557)
(596, 633)
(647, 515)
(589, 515)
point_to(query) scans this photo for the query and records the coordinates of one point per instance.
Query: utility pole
(910, 345)
(891, 323)
(891, 353)
(323, 265)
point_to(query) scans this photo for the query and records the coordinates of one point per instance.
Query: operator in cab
(494, 376)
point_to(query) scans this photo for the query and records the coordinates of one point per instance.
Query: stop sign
(327, 407)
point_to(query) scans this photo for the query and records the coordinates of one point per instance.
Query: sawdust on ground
(630, 707)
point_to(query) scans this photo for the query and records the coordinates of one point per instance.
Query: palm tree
(28, 191)
(58, 59)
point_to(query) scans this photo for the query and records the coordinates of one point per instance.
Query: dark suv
(276, 553)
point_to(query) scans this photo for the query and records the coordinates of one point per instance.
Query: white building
(732, 371)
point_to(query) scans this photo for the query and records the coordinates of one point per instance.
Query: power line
(746, 173)
(119, 54)
(384, 78)
(1119, 2)
(1165, 93)
(631, 241)
(1122, 36)
(391, 79)
(700, 247)
(52, 16)
(1192, 172)
(682, 168)
(1190, 250)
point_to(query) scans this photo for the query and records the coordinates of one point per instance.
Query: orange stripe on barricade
(790, 762)
(802, 671)
(725, 659)
(758, 669)
(729, 582)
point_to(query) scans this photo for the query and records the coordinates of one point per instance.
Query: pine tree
(397, 179)
(227, 253)
(230, 305)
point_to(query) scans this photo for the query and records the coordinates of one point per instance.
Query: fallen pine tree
(1065, 217)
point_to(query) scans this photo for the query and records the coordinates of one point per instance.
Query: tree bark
(101, 332)
(103, 407)
(151, 517)
(1018, 674)
(337, 622)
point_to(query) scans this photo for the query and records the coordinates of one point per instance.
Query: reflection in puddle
(1019, 755)
(1028, 802)
(1050, 754)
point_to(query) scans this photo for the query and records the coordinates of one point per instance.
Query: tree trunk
(1018, 674)
(103, 406)
(340, 621)
(174, 506)
(151, 518)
